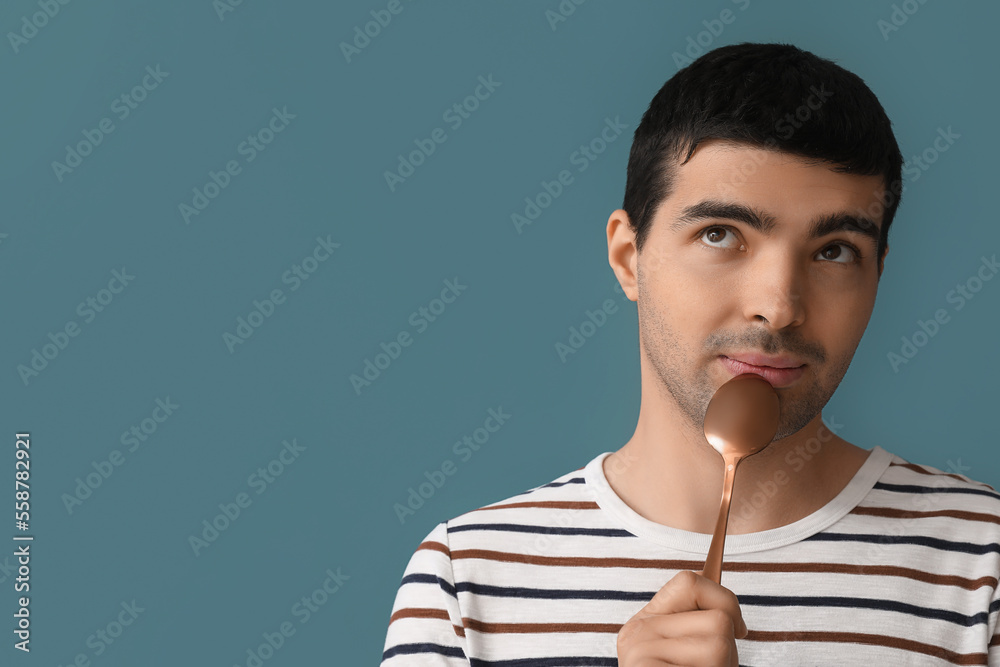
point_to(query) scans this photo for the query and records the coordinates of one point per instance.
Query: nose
(773, 294)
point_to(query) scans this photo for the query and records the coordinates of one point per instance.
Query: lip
(778, 377)
(755, 359)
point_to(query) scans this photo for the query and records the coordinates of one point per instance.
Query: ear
(622, 253)
(881, 260)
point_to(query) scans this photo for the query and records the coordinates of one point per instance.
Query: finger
(690, 591)
(702, 651)
(740, 626)
(702, 623)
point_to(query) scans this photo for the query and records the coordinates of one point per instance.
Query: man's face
(710, 285)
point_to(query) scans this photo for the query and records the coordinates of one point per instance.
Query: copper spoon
(741, 420)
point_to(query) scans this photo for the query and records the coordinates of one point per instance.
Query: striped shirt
(900, 568)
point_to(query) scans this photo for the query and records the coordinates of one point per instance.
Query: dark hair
(745, 93)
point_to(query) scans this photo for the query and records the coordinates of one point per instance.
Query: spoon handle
(713, 564)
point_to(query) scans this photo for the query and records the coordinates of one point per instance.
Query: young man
(761, 185)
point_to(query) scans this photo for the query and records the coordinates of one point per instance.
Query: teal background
(494, 346)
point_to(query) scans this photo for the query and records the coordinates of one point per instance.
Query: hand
(690, 621)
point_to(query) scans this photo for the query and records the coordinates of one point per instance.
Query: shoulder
(543, 511)
(567, 491)
(533, 509)
(913, 488)
(901, 471)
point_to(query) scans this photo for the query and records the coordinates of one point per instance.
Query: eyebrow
(764, 223)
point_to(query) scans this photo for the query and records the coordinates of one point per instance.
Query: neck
(679, 477)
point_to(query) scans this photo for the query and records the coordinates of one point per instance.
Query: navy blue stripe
(864, 603)
(412, 649)
(554, 593)
(570, 661)
(430, 579)
(912, 488)
(529, 492)
(547, 530)
(922, 540)
(575, 480)
(759, 600)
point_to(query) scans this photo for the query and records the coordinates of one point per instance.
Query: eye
(719, 233)
(853, 258)
(723, 237)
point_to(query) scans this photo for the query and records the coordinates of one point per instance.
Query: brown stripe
(874, 640)
(923, 471)
(419, 612)
(916, 468)
(879, 570)
(538, 628)
(913, 514)
(729, 566)
(752, 635)
(557, 504)
(434, 546)
(578, 561)
(423, 612)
